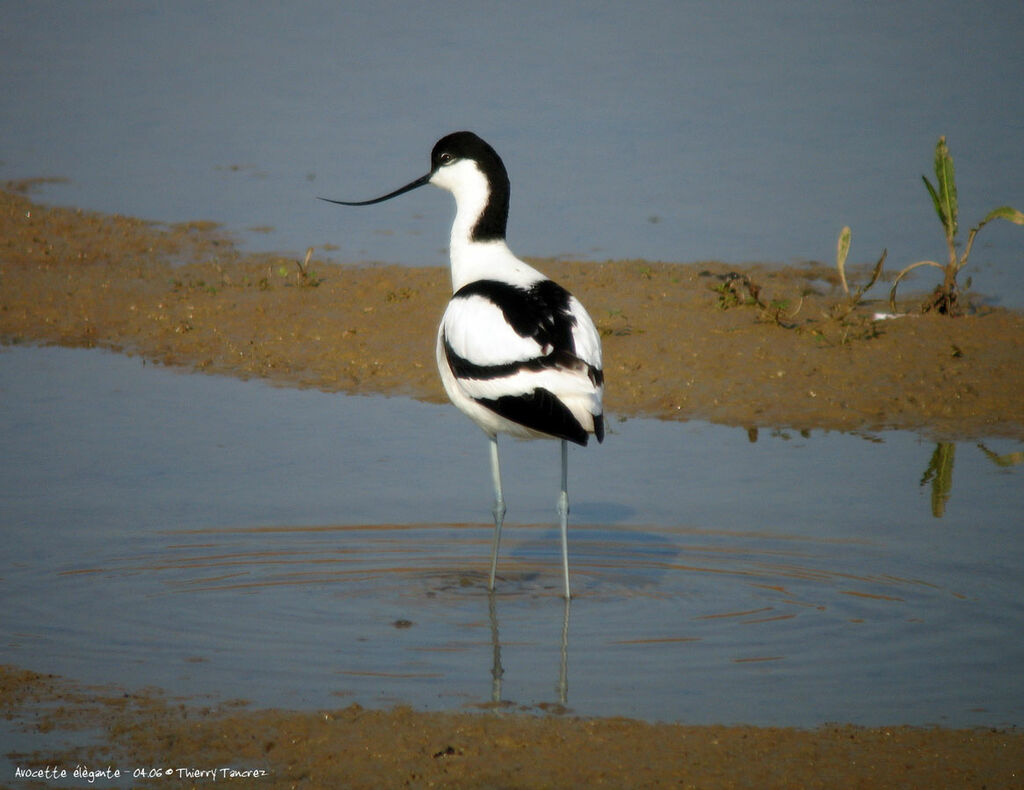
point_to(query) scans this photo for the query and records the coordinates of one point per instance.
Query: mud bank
(678, 343)
(355, 747)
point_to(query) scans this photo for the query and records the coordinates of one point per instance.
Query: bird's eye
(447, 158)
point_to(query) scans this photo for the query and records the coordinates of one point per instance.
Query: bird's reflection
(498, 671)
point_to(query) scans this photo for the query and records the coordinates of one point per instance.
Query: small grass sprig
(307, 277)
(843, 309)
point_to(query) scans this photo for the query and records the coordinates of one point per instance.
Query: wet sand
(676, 346)
(673, 347)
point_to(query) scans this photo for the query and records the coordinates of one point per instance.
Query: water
(670, 131)
(211, 536)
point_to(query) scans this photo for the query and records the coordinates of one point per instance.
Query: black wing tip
(582, 437)
(541, 411)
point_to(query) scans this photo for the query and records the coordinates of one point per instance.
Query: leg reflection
(498, 671)
(563, 672)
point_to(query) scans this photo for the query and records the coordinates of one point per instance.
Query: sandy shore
(676, 346)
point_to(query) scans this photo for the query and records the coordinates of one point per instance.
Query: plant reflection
(940, 471)
(940, 474)
(1005, 460)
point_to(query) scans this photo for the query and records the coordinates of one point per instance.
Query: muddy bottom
(184, 744)
(680, 342)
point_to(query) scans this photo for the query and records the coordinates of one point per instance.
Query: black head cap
(466, 145)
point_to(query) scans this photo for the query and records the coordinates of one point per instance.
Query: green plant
(841, 310)
(943, 193)
(306, 276)
(738, 290)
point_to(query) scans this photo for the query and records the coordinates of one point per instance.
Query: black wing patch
(541, 311)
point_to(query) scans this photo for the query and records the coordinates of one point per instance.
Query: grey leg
(563, 514)
(499, 508)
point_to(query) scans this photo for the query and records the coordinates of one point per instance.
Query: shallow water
(667, 131)
(294, 548)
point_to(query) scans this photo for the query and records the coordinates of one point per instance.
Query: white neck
(477, 260)
(471, 196)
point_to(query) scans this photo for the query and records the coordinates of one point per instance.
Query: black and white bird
(518, 354)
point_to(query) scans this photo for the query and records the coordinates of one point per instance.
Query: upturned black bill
(408, 187)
